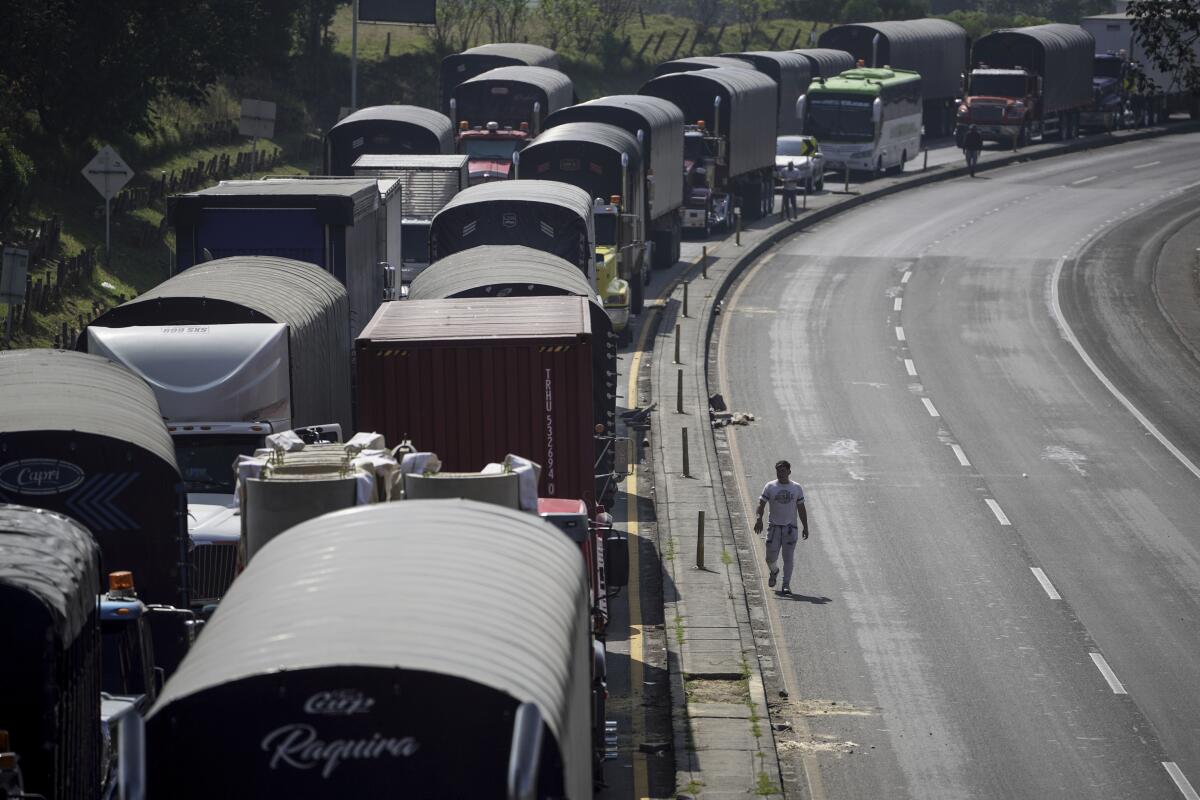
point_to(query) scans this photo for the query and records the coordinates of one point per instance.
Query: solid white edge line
(1181, 782)
(910, 367)
(1138, 415)
(1001, 517)
(961, 455)
(896, 306)
(1151, 164)
(1046, 584)
(1084, 180)
(899, 333)
(907, 275)
(933, 412)
(1110, 676)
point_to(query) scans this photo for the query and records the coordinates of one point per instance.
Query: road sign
(108, 172)
(258, 119)
(12, 275)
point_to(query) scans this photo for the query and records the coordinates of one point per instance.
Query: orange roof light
(462, 124)
(700, 124)
(120, 581)
(615, 200)
(525, 126)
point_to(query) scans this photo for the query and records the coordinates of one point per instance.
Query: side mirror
(389, 280)
(524, 757)
(877, 110)
(801, 108)
(616, 560)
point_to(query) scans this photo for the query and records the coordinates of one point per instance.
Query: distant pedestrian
(972, 144)
(786, 498)
(791, 182)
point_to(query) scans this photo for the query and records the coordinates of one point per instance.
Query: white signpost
(258, 122)
(13, 269)
(109, 173)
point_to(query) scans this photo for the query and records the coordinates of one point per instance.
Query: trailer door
(295, 233)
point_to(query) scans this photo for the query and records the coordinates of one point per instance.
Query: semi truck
(1028, 83)
(792, 74)
(728, 153)
(427, 184)
(657, 125)
(936, 49)
(605, 162)
(498, 112)
(235, 350)
(459, 67)
(487, 621)
(1111, 93)
(347, 226)
(1163, 94)
(84, 437)
(397, 130)
(516, 271)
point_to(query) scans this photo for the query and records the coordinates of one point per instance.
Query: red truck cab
(1001, 104)
(489, 149)
(605, 552)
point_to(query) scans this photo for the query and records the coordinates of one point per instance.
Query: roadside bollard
(804, 202)
(679, 404)
(737, 236)
(677, 343)
(925, 165)
(685, 292)
(846, 188)
(704, 261)
(700, 541)
(687, 470)
(1014, 143)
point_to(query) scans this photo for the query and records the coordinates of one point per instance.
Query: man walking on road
(791, 180)
(786, 498)
(972, 144)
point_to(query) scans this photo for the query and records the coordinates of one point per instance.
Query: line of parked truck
(456, 284)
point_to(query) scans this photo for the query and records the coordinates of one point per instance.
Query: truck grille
(987, 114)
(212, 570)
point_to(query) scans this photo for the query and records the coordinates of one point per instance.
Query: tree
(1168, 31)
(506, 19)
(861, 11)
(748, 15)
(457, 22)
(571, 23)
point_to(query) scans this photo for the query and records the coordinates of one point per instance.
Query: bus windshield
(840, 118)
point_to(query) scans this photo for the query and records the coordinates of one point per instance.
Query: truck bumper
(694, 217)
(1098, 119)
(619, 316)
(998, 133)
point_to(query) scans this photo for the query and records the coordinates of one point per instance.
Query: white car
(804, 152)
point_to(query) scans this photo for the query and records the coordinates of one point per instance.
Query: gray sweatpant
(782, 537)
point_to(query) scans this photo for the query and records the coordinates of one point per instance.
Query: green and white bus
(866, 118)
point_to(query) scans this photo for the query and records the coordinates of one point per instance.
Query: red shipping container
(475, 379)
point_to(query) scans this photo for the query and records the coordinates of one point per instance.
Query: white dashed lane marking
(910, 367)
(960, 455)
(900, 333)
(896, 306)
(1185, 786)
(1001, 517)
(1046, 584)
(907, 275)
(1148, 164)
(933, 412)
(1084, 180)
(1110, 676)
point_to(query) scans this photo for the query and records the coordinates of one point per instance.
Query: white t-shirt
(781, 499)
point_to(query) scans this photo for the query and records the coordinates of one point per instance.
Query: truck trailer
(1164, 93)
(606, 162)
(84, 437)
(396, 130)
(235, 349)
(476, 379)
(459, 67)
(657, 125)
(825, 62)
(729, 154)
(498, 112)
(936, 49)
(693, 63)
(792, 73)
(347, 226)
(432, 613)
(1028, 83)
(427, 184)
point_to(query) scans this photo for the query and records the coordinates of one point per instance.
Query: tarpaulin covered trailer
(792, 73)
(1062, 55)
(459, 67)
(510, 96)
(693, 63)
(825, 62)
(386, 130)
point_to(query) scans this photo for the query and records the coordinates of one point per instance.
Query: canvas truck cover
(49, 635)
(747, 98)
(83, 436)
(262, 289)
(792, 73)
(661, 124)
(1061, 54)
(426, 182)
(693, 63)
(459, 67)
(545, 215)
(935, 48)
(589, 155)
(476, 379)
(393, 129)
(825, 62)
(397, 672)
(506, 95)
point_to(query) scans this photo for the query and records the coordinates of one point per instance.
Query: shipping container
(84, 437)
(476, 379)
(386, 130)
(937, 49)
(463, 66)
(792, 73)
(50, 640)
(347, 226)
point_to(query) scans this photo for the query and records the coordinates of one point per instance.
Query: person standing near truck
(972, 144)
(786, 498)
(791, 181)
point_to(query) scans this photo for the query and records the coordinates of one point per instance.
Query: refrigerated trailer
(396, 130)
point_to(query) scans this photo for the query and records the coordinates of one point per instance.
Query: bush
(16, 176)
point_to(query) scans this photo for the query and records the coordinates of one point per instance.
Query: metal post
(700, 541)
(687, 471)
(925, 165)
(685, 293)
(354, 57)
(1014, 142)
(679, 394)
(846, 188)
(737, 236)
(804, 201)
(8, 328)
(704, 261)
(107, 234)
(253, 155)
(677, 343)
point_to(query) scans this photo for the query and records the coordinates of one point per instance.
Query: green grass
(679, 630)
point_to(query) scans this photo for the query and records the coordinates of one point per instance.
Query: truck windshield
(414, 242)
(693, 149)
(606, 229)
(206, 462)
(497, 149)
(840, 118)
(990, 84)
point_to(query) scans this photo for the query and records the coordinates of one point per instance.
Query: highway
(994, 423)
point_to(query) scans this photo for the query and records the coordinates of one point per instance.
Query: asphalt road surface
(996, 427)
